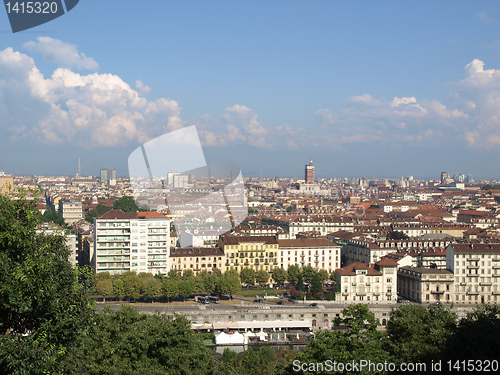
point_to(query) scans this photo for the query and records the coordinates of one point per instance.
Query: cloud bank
(101, 110)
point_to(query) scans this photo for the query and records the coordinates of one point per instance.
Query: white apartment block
(368, 282)
(130, 241)
(476, 267)
(316, 252)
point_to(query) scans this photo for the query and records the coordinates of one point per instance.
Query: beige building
(71, 210)
(368, 282)
(319, 253)
(6, 183)
(256, 252)
(425, 285)
(197, 259)
(476, 267)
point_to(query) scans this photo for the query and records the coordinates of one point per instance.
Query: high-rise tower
(310, 172)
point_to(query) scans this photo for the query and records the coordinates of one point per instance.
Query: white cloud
(94, 110)
(483, 17)
(61, 53)
(324, 116)
(141, 88)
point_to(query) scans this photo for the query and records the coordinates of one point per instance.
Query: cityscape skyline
(368, 90)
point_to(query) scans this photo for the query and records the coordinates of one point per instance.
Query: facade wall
(254, 253)
(366, 288)
(197, 259)
(321, 257)
(425, 285)
(140, 245)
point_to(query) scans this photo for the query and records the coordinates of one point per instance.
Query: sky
(373, 89)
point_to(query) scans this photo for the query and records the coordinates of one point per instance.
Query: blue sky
(367, 88)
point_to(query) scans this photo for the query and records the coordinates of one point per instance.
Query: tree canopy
(126, 204)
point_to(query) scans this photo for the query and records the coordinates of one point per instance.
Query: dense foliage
(48, 324)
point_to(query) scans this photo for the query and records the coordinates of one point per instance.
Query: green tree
(230, 361)
(152, 288)
(361, 340)
(186, 288)
(475, 336)
(40, 296)
(249, 363)
(132, 284)
(170, 288)
(293, 273)
(232, 272)
(333, 276)
(229, 284)
(96, 212)
(174, 275)
(316, 286)
(188, 274)
(126, 204)
(51, 216)
(323, 275)
(308, 273)
(118, 288)
(247, 276)
(104, 288)
(210, 282)
(127, 342)
(267, 360)
(300, 284)
(279, 275)
(262, 277)
(419, 333)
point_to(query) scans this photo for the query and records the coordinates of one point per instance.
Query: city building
(363, 282)
(197, 259)
(425, 285)
(256, 252)
(476, 267)
(71, 210)
(309, 173)
(6, 183)
(108, 176)
(318, 253)
(324, 225)
(131, 241)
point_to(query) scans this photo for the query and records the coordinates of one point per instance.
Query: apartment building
(197, 259)
(361, 248)
(417, 230)
(256, 252)
(368, 282)
(71, 210)
(476, 267)
(425, 285)
(131, 241)
(324, 225)
(319, 253)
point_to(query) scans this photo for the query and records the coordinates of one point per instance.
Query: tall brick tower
(310, 172)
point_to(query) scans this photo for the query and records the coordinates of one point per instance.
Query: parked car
(313, 304)
(279, 303)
